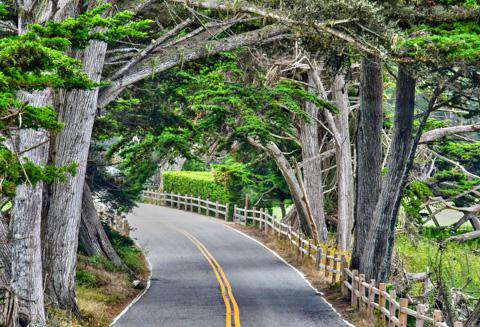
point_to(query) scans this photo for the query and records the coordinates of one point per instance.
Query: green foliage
(459, 263)
(414, 196)
(126, 250)
(35, 61)
(86, 279)
(455, 42)
(199, 184)
(194, 164)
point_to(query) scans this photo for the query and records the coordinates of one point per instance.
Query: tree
(77, 109)
(32, 64)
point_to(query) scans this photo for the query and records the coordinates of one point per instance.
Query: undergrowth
(457, 263)
(103, 290)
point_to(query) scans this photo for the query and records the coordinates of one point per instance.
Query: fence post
(318, 258)
(216, 209)
(335, 268)
(300, 243)
(421, 309)
(264, 219)
(234, 213)
(327, 264)
(290, 236)
(199, 203)
(207, 205)
(254, 216)
(362, 292)
(393, 309)
(343, 276)
(178, 200)
(227, 206)
(437, 316)
(353, 300)
(402, 316)
(382, 287)
(246, 215)
(371, 297)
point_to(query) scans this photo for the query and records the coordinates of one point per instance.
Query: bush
(86, 278)
(198, 184)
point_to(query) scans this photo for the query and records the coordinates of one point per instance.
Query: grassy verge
(103, 290)
(457, 263)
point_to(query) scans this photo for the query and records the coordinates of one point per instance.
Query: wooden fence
(366, 296)
(188, 203)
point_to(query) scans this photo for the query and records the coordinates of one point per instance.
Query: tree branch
(439, 133)
(173, 56)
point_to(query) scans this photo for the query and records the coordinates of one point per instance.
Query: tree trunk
(301, 202)
(77, 110)
(369, 152)
(92, 236)
(341, 133)
(312, 168)
(376, 258)
(25, 225)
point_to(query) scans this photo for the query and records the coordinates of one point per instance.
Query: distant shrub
(199, 184)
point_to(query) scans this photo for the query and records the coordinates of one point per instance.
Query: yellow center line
(221, 278)
(236, 310)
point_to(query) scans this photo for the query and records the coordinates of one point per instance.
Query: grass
(103, 290)
(459, 262)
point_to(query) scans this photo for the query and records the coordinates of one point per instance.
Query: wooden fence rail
(366, 296)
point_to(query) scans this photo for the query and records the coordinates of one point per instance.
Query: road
(204, 273)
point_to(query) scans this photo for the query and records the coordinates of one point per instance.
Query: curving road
(204, 273)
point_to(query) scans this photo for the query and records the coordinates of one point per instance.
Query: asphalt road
(207, 274)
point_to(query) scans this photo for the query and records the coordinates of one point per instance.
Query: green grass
(460, 263)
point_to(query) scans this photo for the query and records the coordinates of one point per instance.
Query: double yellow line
(225, 287)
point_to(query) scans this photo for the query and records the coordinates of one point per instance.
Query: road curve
(201, 268)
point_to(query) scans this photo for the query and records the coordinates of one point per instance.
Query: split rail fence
(369, 297)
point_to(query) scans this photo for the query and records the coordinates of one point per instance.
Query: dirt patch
(307, 266)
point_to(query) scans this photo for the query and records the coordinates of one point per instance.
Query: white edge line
(139, 296)
(295, 269)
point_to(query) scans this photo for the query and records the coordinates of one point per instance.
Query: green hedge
(197, 183)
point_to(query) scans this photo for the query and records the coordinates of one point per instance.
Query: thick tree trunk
(92, 236)
(369, 152)
(77, 110)
(312, 168)
(25, 225)
(376, 258)
(339, 126)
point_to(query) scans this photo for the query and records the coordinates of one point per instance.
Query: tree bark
(345, 190)
(92, 236)
(437, 134)
(312, 168)
(25, 225)
(376, 258)
(77, 110)
(369, 152)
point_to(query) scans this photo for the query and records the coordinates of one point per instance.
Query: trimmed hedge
(197, 183)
